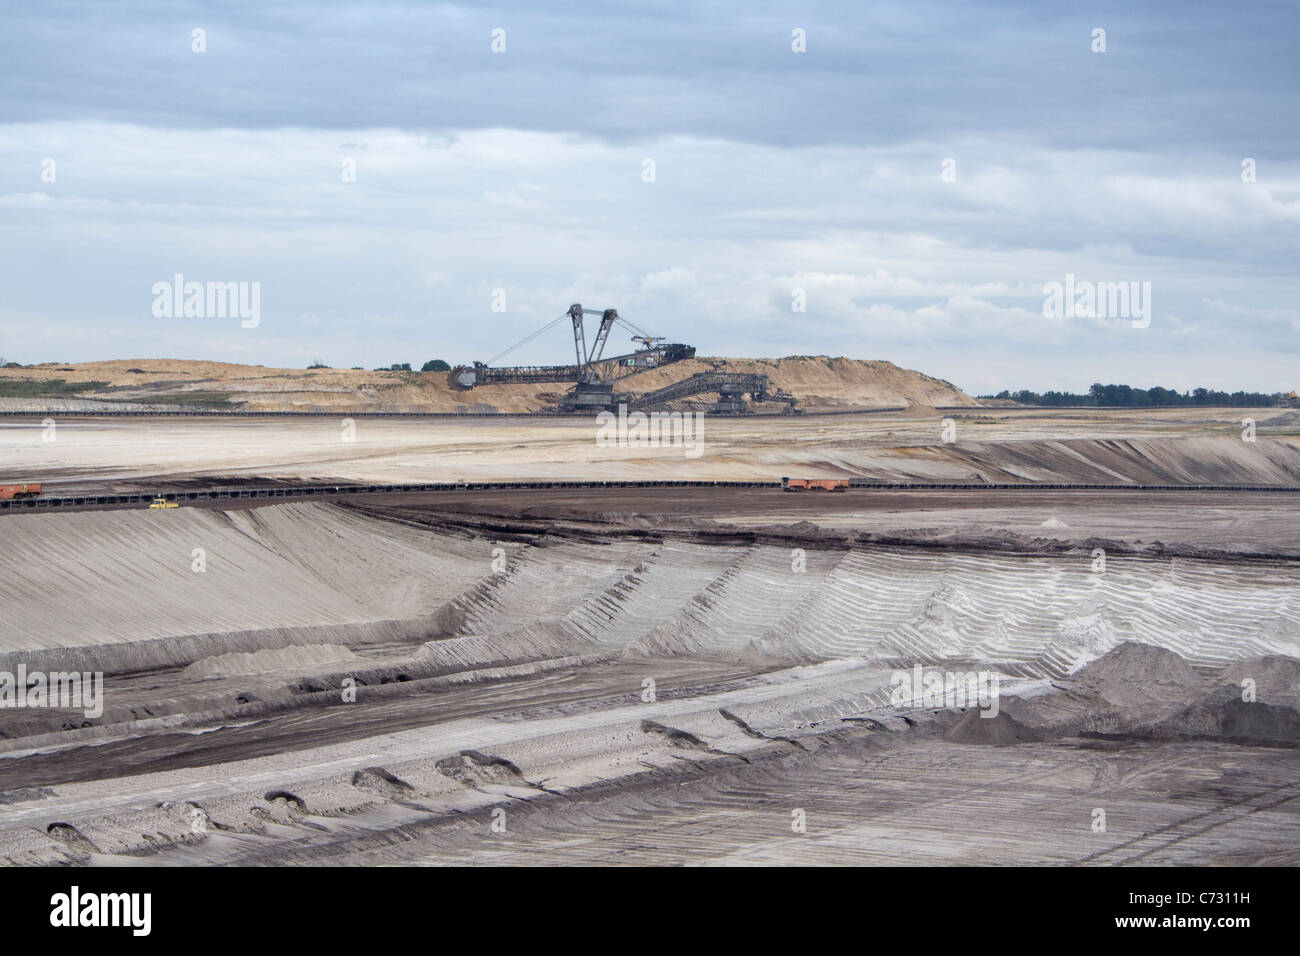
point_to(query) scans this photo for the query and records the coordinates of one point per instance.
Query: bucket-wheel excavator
(594, 374)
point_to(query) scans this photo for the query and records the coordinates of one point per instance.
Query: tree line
(433, 365)
(1126, 396)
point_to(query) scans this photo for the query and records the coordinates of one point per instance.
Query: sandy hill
(817, 381)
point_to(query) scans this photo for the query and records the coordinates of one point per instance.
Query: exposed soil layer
(1167, 446)
(1185, 523)
(192, 587)
(161, 384)
(654, 676)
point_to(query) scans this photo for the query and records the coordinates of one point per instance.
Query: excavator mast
(592, 371)
(593, 374)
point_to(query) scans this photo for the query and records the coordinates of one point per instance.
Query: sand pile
(1223, 713)
(1002, 730)
(1146, 691)
(136, 384)
(1136, 676)
(1275, 680)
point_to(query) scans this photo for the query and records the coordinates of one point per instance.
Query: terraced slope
(494, 676)
(1196, 460)
(1048, 615)
(119, 589)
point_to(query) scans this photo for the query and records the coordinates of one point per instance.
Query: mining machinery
(732, 387)
(593, 374)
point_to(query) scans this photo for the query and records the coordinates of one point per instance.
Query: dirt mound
(1144, 691)
(1224, 714)
(378, 780)
(473, 769)
(152, 384)
(1130, 687)
(1002, 730)
(1137, 676)
(819, 381)
(1275, 679)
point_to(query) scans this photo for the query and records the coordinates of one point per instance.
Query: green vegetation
(435, 365)
(44, 388)
(1125, 396)
(59, 388)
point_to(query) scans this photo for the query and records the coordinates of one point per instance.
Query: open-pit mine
(1017, 636)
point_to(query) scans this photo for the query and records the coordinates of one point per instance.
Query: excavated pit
(620, 677)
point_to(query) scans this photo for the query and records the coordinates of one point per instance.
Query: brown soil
(817, 381)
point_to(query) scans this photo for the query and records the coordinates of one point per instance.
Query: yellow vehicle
(162, 503)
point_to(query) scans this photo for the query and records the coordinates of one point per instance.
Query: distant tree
(435, 365)
(1061, 398)
(1125, 396)
(402, 367)
(318, 363)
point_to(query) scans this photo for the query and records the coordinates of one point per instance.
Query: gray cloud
(1194, 74)
(774, 171)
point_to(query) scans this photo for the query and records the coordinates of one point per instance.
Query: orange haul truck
(814, 484)
(31, 489)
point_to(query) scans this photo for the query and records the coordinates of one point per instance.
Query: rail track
(331, 491)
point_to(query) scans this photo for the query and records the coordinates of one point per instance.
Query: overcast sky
(774, 171)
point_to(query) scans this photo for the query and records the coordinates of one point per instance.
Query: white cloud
(511, 200)
(894, 262)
